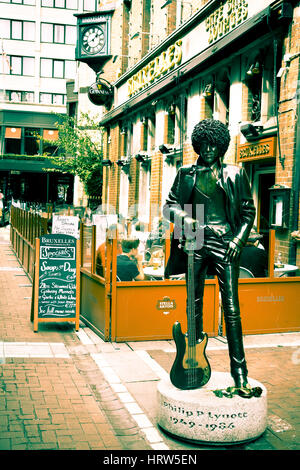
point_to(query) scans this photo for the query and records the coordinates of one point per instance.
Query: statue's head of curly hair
(213, 131)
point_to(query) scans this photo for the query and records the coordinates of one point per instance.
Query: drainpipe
(296, 180)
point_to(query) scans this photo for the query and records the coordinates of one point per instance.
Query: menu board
(56, 279)
(66, 224)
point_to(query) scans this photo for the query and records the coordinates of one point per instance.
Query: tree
(79, 150)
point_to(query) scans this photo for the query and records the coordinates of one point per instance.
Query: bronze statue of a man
(223, 191)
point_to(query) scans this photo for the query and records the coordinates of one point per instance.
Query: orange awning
(13, 133)
(50, 134)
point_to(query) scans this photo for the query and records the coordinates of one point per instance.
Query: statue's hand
(232, 252)
(190, 227)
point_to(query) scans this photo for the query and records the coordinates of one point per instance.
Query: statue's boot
(238, 364)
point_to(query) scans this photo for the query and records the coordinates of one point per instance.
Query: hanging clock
(93, 39)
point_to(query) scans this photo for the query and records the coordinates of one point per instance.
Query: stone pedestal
(199, 416)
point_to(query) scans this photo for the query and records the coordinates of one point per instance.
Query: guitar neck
(191, 300)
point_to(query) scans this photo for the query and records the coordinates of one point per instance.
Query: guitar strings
(192, 372)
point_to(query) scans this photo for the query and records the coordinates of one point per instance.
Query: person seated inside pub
(129, 263)
(253, 256)
(114, 230)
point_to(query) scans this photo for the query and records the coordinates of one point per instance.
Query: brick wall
(287, 137)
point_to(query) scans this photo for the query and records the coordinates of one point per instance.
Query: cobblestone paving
(65, 390)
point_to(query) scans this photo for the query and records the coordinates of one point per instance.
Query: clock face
(93, 39)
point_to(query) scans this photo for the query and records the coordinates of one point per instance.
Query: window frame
(9, 57)
(52, 41)
(20, 2)
(23, 93)
(22, 22)
(52, 67)
(60, 7)
(52, 98)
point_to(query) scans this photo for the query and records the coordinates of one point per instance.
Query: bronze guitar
(191, 368)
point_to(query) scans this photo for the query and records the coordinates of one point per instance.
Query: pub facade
(170, 64)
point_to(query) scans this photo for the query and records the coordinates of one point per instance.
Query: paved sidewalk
(62, 389)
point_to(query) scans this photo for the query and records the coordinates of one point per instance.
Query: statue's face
(209, 153)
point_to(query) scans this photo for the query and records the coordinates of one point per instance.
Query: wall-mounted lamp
(144, 160)
(171, 109)
(254, 69)
(208, 90)
(141, 158)
(165, 149)
(107, 162)
(152, 35)
(251, 131)
(166, 4)
(124, 165)
(287, 61)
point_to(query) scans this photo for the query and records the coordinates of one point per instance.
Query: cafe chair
(245, 273)
(177, 277)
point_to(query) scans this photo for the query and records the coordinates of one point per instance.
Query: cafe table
(285, 269)
(154, 273)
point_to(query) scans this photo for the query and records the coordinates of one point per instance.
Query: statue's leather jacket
(240, 209)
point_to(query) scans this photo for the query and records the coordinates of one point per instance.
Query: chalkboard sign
(56, 279)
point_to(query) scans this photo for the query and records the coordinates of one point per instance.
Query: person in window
(129, 263)
(254, 256)
(224, 193)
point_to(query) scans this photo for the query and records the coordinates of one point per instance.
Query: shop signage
(100, 93)
(166, 304)
(156, 68)
(66, 224)
(214, 27)
(262, 149)
(56, 279)
(225, 18)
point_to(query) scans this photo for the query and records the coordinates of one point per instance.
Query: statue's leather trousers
(212, 254)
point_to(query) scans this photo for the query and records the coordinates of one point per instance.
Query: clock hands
(93, 40)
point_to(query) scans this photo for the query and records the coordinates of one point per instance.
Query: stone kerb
(200, 416)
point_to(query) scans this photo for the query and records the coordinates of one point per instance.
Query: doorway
(263, 180)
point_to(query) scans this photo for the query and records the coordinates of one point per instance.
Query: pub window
(13, 140)
(222, 99)
(208, 93)
(171, 119)
(129, 142)
(13, 146)
(31, 141)
(181, 121)
(151, 131)
(146, 26)
(253, 79)
(144, 133)
(270, 95)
